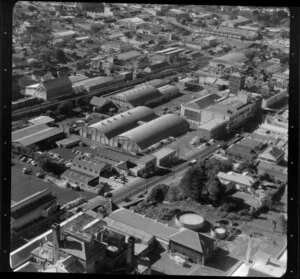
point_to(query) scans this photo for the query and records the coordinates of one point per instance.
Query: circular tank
(189, 220)
(218, 232)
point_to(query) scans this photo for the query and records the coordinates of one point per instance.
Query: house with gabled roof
(196, 246)
(273, 155)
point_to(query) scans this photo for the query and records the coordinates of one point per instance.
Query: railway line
(104, 92)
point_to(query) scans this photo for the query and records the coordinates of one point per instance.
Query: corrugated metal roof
(139, 96)
(16, 135)
(77, 176)
(237, 178)
(157, 130)
(128, 230)
(39, 135)
(123, 122)
(142, 223)
(41, 120)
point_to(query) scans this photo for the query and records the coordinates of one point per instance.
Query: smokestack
(130, 260)
(248, 253)
(56, 239)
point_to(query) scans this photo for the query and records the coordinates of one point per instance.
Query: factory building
(24, 212)
(154, 83)
(236, 110)
(92, 84)
(51, 89)
(106, 130)
(213, 129)
(142, 137)
(192, 110)
(37, 134)
(127, 163)
(143, 96)
(164, 156)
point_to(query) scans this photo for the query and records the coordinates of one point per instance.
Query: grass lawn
(23, 185)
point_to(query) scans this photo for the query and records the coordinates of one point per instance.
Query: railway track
(104, 92)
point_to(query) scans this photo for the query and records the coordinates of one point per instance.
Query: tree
(215, 191)
(48, 165)
(157, 194)
(60, 55)
(95, 28)
(193, 182)
(65, 108)
(175, 193)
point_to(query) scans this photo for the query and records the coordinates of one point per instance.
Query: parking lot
(24, 185)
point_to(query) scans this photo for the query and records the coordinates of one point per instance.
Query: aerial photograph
(149, 139)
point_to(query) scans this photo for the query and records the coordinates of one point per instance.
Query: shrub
(233, 216)
(223, 214)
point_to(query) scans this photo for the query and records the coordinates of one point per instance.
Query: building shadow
(221, 260)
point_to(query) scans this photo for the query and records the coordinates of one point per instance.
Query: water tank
(218, 232)
(189, 220)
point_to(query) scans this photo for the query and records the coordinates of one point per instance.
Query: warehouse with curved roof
(105, 130)
(142, 95)
(140, 138)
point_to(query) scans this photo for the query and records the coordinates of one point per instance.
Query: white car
(29, 160)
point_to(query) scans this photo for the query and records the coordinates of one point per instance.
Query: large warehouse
(140, 138)
(144, 95)
(105, 130)
(52, 89)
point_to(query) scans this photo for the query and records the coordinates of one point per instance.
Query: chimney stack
(130, 260)
(56, 239)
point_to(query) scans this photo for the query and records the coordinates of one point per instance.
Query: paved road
(144, 184)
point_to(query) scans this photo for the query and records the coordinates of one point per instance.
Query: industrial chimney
(56, 239)
(130, 260)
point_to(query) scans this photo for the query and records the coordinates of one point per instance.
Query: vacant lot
(23, 185)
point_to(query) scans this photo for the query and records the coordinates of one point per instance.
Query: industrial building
(236, 110)
(142, 137)
(39, 205)
(127, 163)
(213, 129)
(164, 156)
(86, 173)
(92, 84)
(106, 130)
(143, 96)
(37, 134)
(192, 110)
(51, 89)
(41, 120)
